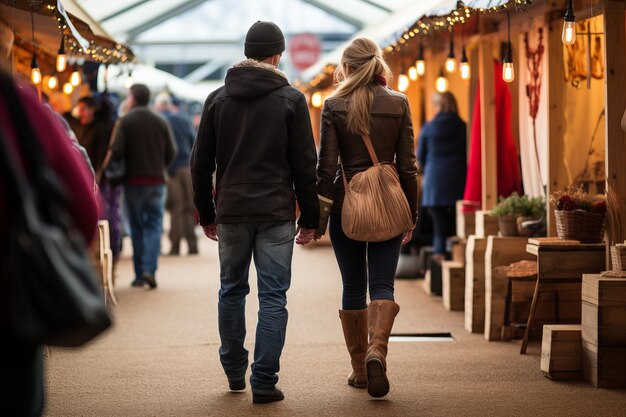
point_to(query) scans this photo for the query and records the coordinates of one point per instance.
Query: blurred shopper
(442, 155)
(145, 142)
(363, 105)
(256, 131)
(21, 381)
(179, 189)
(93, 133)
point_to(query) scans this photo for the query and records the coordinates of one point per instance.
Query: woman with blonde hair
(362, 108)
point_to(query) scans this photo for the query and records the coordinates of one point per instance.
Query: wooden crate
(475, 284)
(561, 351)
(500, 252)
(453, 284)
(604, 310)
(604, 367)
(486, 224)
(465, 222)
(458, 251)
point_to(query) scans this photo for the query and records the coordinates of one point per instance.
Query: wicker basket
(618, 257)
(580, 225)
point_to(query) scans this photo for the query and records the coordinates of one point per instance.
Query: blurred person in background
(92, 132)
(442, 155)
(144, 140)
(179, 189)
(21, 381)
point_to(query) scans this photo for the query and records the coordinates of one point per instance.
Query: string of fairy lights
(430, 25)
(71, 54)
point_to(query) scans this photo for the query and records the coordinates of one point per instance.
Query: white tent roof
(389, 28)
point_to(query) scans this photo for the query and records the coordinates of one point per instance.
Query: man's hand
(407, 237)
(305, 235)
(210, 231)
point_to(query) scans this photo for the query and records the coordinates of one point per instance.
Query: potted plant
(579, 215)
(516, 211)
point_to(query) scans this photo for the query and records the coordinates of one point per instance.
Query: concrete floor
(161, 357)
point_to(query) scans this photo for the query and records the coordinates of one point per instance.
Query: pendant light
(129, 80)
(317, 100)
(403, 81)
(53, 82)
(441, 84)
(508, 69)
(35, 72)
(68, 88)
(569, 25)
(451, 60)
(420, 64)
(61, 56)
(76, 79)
(413, 73)
(464, 66)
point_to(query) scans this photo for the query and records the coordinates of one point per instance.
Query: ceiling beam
(177, 10)
(359, 24)
(377, 5)
(123, 10)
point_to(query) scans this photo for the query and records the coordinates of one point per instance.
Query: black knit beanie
(264, 39)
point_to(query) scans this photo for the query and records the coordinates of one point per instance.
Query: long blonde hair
(361, 62)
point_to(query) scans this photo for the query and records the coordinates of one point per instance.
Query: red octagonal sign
(304, 50)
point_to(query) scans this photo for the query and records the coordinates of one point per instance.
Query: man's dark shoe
(193, 250)
(277, 395)
(175, 251)
(138, 283)
(237, 384)
(150, 280)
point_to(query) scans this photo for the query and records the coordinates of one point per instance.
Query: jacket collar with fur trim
(250, 79)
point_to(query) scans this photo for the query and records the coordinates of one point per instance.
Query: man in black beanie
(256, 132)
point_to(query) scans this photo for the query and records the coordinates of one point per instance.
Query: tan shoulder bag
(375, 208)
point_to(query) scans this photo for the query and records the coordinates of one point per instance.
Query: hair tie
(371, 56)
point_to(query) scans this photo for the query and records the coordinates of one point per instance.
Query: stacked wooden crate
(561, 351)
(604, 330)
(475, 284)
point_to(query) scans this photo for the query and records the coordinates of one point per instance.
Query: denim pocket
(282, 232)
(227, 233)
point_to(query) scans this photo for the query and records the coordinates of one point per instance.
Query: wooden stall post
(488, 125)
(615, 103)
(556, 115)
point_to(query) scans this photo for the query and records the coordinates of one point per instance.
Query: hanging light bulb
(451, 60)
(508, 69)
(75, 78)
(441, 84)
(68, 88)
(420, 64)
(61, 56)
(413, 73)
(464, 66)
(53, 82)
(403, 81)
(569, 25)
(129, 80)
(35, 72)
(317, 100)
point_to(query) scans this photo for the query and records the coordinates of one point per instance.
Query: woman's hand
(407, 237)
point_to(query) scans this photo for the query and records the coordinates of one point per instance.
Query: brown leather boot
(354, 324)
(381, 314)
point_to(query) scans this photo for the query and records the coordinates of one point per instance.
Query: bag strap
(370, 150)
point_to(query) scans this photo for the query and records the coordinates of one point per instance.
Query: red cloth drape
(509, 179)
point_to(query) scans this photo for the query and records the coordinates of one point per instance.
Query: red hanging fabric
(509, 179)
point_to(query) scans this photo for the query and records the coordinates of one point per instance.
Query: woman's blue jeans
(271, 247)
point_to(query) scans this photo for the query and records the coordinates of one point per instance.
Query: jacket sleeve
(329, 154)
(202, 165)
(421, 149)
(406, 162)
(302, 159)
(170, 144)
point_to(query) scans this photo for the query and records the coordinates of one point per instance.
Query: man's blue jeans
(271, 246)
(145, 204)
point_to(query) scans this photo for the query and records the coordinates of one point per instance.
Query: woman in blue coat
(442, 155)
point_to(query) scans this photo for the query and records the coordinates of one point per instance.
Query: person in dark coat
(144, 140)
(256, 131)
(179, 189)
(442, 155)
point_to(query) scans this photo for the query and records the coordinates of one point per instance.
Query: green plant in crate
(520, 215)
